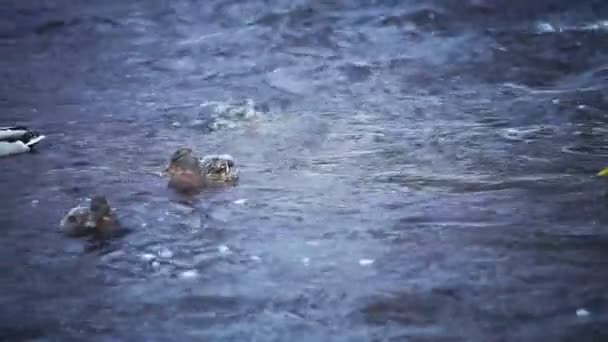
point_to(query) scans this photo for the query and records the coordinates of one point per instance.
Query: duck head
(184, 170)
(100, 209)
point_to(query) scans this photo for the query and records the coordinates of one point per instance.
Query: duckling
(219, 168)
(187, 172)
(97, 219)
(17, 139)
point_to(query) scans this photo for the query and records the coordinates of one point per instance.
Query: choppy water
(410, 170)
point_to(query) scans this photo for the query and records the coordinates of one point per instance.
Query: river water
(410, 170)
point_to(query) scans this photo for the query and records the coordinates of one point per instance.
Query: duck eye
(71, 218)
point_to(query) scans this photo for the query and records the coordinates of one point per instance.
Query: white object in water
(366, 262)
(306, 261)
(223, 249)
(7, 149)
(582, 313)
(147, 257)
(165, 253)
(15, 140)
(190, 274)
(240, 201)
(255, 258)
(545, 27)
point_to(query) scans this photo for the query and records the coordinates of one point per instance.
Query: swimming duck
(97, 219)
(187, 172)
(219, 168)
(17, 139)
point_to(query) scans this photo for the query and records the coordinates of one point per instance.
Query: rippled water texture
(410, 170)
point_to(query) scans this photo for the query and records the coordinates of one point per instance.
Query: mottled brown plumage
(97, 219)
(189, 173)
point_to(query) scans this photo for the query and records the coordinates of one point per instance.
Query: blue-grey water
(410, 170)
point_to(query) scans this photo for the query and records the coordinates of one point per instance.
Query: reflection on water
(409, 171)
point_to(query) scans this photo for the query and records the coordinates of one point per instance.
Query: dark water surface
(410, 170)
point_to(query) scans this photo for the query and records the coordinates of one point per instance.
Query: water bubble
(190, 274)
(220, 124)
(582, 313)
(165, 253)
(176, 124)
(603, 24)
(241, 201)
(223, 249)
(528, 133)
(366, 262)
(545, 28)
(197, 123)
(147, 256)
(230, 115)
(255, 258)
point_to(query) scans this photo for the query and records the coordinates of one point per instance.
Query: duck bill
(603, 172)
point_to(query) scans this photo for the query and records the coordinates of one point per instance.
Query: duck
(188, 172)
(603, 172)
(96, 219)
(219, 169)
(18, 139)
